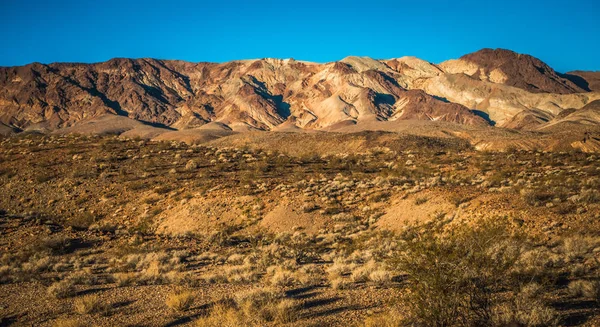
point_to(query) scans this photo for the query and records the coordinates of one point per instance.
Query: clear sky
(565, 34)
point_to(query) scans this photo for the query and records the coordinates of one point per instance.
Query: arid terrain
(362, 192)
(297, 229)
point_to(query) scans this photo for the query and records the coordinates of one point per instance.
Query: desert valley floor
(296, 229)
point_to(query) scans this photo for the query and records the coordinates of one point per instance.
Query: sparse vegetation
(90, 304)
(62, 289)
(180, 301)
(258, 237)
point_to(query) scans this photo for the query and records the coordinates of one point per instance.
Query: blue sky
(565, 34)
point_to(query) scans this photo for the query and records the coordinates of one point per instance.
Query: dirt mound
(200, 214)
(205, 133)
(329, 143)
(288, 216)
(416, 208)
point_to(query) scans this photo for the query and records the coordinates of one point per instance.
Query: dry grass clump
(64, 322)
(252, 308)
(267, 305)
(589, 196)
(387, 319)
(420, 200)
(89, 304)
(282, 277)
(340, 268)
(577, 247)
(531, 290)
(524, 312)
(125, 279)
(371, 271)
(223, 315)
(62, 289)
(536, 263)
(288, 275)
(381, 277)
(340, 283)
(180, 301)
(149, 268)
(585, 288)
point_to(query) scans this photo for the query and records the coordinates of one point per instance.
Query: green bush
(452, 276)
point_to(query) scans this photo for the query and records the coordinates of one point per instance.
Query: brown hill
(586, 80)
(513, 69)
(584, 118)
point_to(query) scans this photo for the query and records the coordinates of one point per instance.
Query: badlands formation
(195, 102)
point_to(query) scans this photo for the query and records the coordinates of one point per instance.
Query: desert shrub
(89, 304)
(180, 301)
(299, 247)
(63, 289)
(246, 273)
(379, 197)
(43, 177)
(340, 268)
(191, 165)
(258, 303)
(452, 275)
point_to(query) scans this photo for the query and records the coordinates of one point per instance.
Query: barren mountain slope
(587, 80)
(513, 69)
(505, 88)
(261, 93)
(501, 102)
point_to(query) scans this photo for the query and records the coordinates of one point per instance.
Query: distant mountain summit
(497, 87)
(513, 69)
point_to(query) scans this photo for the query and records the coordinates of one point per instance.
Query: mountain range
(491, 87)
